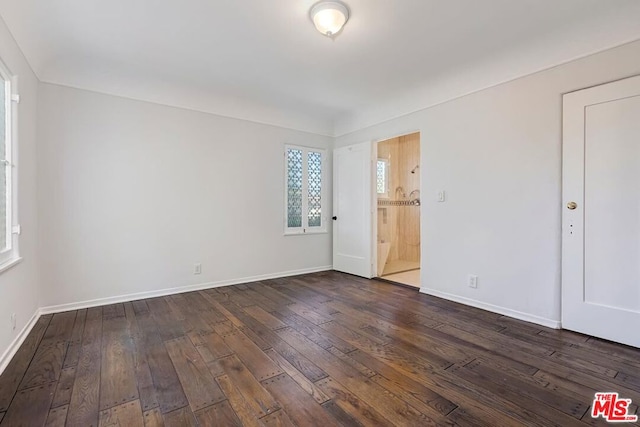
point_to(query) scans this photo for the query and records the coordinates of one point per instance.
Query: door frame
(374, 199)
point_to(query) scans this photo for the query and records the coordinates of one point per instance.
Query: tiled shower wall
(400, 225)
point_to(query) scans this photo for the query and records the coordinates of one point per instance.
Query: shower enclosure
(398, 191)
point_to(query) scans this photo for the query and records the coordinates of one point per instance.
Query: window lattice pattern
(381, 176)
(315, 189)
(294, 188)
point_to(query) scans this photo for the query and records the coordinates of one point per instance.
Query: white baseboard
(171, 291)
(549, 323)
(17, 342)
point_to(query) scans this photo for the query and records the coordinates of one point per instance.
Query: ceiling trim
(301, 129)
(350, 128)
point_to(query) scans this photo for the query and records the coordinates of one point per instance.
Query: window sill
(301, 233)
(9, 263)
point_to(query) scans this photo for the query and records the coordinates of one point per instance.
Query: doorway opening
(398, 209)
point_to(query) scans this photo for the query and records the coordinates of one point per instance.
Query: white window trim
(305, 229)
(11, 256)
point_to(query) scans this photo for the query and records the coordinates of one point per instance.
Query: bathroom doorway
(398, 209)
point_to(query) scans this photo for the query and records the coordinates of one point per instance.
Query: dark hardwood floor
(321, 349)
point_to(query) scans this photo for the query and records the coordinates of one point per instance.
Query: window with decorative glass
(382, 178)
(304, 190)
(8, 236)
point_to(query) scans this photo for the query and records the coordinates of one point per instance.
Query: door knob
(572, 205)
(334, 218)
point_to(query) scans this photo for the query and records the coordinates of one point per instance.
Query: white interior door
(352, 207)
(601, 232)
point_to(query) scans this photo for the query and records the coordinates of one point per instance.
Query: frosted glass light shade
(329, 17)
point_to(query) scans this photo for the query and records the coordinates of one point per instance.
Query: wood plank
(57, 416)
(532, 411)
(314, 332)
(60, 328)
(265, 318)
(395, 354)
(297, 376)
(46, 365)
(241, 407)
(30, 407)
(277, 419)
(261, 301)
(401, 391)
(118, 379)
(112, 311)
(84, 405)
(153, 418)
(220, 414)
(169, 324)
(405, 333)
(238, 297)
(208, 295)
(192, 312)
(424, 394)
(64, 388)
(216, 345)
(462, 418)
(278, 298)
(390, 407)
(49, 357)
(15, 370)
(529, 389)
(299, 406)
(259, 400)
(350, 361)
(631, 380)
(309, 313)
(167, 387)
(198, 384)
(182, 417)
(308, 369)
(140, 307)
(125, 415)
(260, 365)
(73, 352)
(146, 389)
(359, 411)
(341, 416)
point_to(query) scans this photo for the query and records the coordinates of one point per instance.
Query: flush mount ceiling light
(329, 17)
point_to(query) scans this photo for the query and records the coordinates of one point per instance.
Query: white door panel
(352, 247)
(601, 237)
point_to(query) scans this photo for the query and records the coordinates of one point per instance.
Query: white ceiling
(263, 60)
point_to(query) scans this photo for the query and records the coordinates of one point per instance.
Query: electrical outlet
(13, 321)
(441, 196)
(473, 281)
(197, 268)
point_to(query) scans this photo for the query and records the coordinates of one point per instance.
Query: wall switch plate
(473, 281)
(441, 196)
(13, 322)
(197, 268)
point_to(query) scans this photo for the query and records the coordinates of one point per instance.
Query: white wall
(19, 285)
(132, 194)
(497, 154)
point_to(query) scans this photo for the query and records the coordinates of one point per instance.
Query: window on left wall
(305, 200)
(8, 230)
